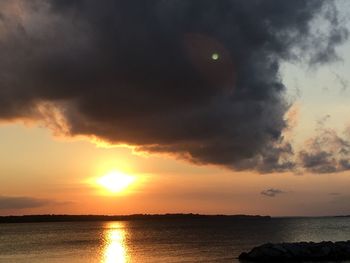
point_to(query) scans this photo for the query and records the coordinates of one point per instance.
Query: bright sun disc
(115, 182)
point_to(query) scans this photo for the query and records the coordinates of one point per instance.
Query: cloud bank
(8, 202)
(197, 79)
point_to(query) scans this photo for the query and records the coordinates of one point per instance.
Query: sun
(115, 182)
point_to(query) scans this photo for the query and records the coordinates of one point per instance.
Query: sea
(172, 240)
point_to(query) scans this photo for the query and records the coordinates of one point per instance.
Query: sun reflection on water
(115, 250)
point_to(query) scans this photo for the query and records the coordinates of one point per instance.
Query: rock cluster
(302, 251)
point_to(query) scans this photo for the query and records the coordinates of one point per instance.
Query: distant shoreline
(91, 218)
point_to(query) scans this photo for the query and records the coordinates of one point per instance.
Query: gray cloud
(344, 83)
(141, 72)
(272, 192)
(7, 202)
(328, 152)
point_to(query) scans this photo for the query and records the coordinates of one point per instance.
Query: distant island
(82, 218)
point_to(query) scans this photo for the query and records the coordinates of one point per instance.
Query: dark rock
(301, 251)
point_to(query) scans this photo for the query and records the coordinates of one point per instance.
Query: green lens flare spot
(215, 56)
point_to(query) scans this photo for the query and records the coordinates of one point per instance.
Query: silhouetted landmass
(81, 218)
(299, 252)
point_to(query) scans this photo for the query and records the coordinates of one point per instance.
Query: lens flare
(215, 56)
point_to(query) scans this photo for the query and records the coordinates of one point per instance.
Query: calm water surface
(196, 240)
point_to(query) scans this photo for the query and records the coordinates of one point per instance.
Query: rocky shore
(297, 252)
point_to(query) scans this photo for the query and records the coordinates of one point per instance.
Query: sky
(209, 107)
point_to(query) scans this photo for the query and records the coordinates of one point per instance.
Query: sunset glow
(174, 131)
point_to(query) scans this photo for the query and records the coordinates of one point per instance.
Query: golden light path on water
(115, 249)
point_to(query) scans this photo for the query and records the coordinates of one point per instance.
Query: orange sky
(34, 164)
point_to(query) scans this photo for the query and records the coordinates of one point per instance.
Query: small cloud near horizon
(272, 192)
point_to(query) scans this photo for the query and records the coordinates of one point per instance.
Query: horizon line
(172, 214)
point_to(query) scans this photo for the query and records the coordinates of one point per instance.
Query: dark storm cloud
(7, 202)
(143, 72)
(272, 192)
